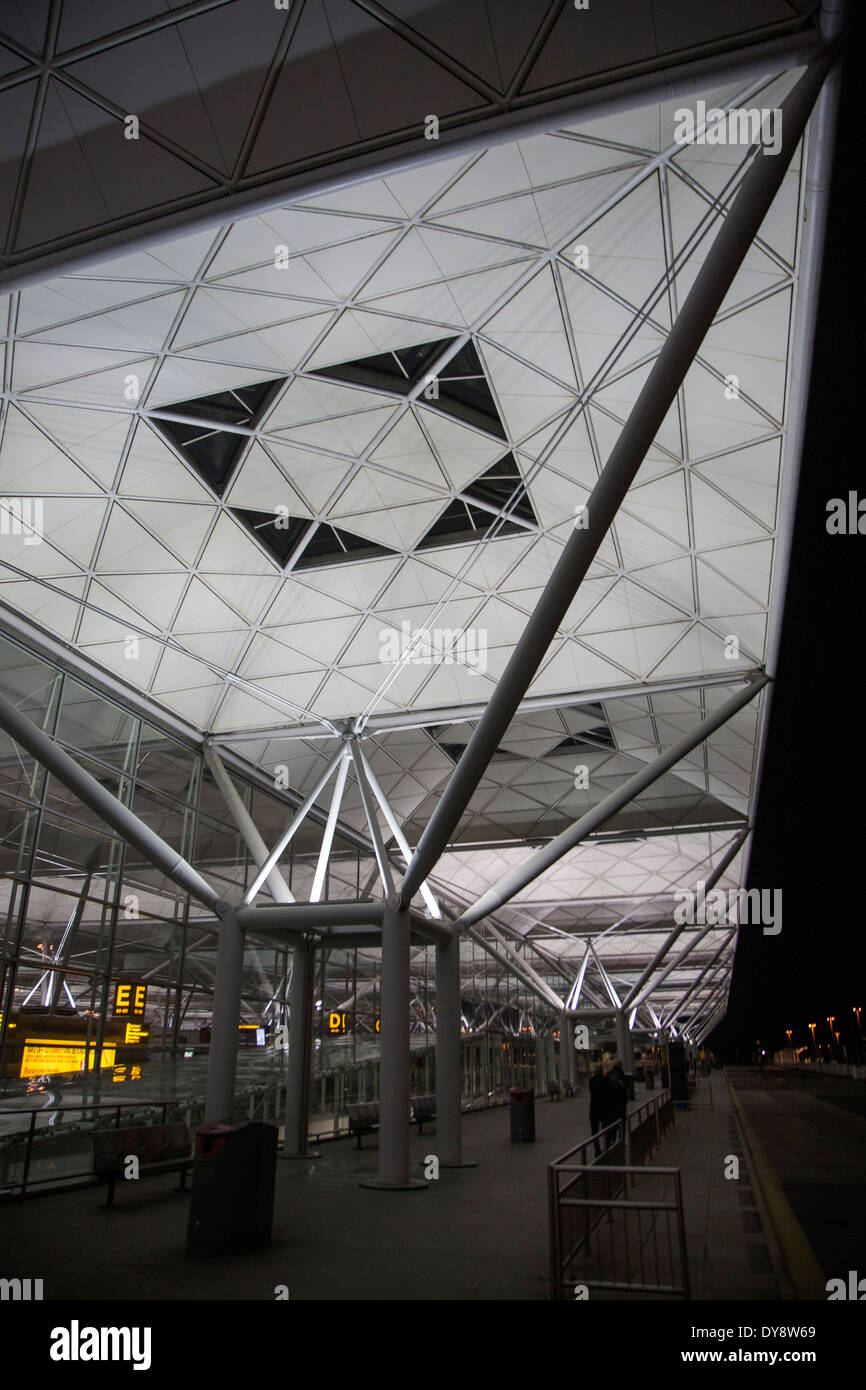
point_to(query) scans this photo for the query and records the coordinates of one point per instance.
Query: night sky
(809, 835)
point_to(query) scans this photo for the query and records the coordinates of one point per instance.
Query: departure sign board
(342, 1023)
(129, 1001)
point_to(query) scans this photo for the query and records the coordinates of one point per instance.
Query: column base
(386, 1185)
(464, 1163)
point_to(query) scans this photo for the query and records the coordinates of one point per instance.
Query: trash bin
(664, 1076)
(232, 1198)
(522, 1115)
(629, 1082)
(649, 1078)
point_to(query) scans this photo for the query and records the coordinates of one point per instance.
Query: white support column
(394, 1058)
(222, 1060)
(449, 1145)
(300, 1049)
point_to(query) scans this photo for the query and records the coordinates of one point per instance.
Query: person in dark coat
(617, 1100)
(599, 1102)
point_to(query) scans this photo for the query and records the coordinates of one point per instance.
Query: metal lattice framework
(562, 252)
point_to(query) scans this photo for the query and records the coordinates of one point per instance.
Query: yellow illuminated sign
(339, 1023)
(120, 1074)
(130, 1000)
(48, 1056)
(136, 1034)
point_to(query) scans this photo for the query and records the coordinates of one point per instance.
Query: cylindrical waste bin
(649, 1078)
(232, 1198)
(522, 1114)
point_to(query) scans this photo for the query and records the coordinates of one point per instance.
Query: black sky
(809, 835)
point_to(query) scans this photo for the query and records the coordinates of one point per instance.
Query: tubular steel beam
(382, 862)
(310, 916)
(664, 79)
(359, 755)
(105, 805)
(547, 996)
(723, 260)
(246, 825)
(680, 960)
(330, 827)
(518, 878)
(525, 966)
(460, 714)
(293, 825)
(684, 998)
(727, 858)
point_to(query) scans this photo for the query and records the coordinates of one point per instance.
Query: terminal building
(402, 414)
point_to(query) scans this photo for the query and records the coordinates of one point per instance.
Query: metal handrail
(31, 1131)
(604, 1204)
(557, 1195)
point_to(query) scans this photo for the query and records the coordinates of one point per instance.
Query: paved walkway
(732, 1249)
(475, 1234)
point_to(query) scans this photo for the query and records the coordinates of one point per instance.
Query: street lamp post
(813, 1026)
(856, 1010)
(831, 1019)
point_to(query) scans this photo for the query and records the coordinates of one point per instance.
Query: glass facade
(107, 968)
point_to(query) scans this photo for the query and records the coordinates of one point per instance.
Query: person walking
(599, 1102)
(617, 1099)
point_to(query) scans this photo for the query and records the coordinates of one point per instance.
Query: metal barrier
(703, 1092)
(46, 1156)
(583, 1190)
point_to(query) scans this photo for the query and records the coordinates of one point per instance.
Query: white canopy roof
(561, 259)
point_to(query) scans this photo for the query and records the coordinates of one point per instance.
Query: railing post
(553, 1225)
(681, 1232)
(27, 1153)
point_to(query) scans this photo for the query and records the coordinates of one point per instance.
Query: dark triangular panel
(328, 545)
(461, 522)
(465, 394)
(591, 738)
(462, 390)
(213, 452)
(279, 533)
(388, 371)
(455, 751)
(79, 165)
(331, 545)
(498, 485)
